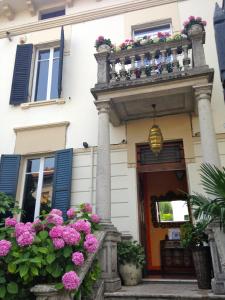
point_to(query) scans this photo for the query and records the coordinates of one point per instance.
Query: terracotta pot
(131, 275)
(104, 48)
(203, 266)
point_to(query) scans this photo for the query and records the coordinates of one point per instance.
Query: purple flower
(78, 258)
(54, 219)
(10, 222)
(56, 211)
(95, 218)
(71, 281)
(5, 247)
(91, 243)
(86, 207)
(58, 243)
(71, 236)
(25, 239)
(82, 226)
(56, 232)
(71, 213)
(191, 18)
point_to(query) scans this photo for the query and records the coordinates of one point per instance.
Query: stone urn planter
(104, 48)
(130, 274)
(49, 292)
(195, 31)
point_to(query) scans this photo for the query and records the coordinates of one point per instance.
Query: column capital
(203, 91)
(103, 107)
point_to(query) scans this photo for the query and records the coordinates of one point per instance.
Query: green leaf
(2, 280)
(59, 286)
(43, 235)
(36, 260)
(23, 269)
(34, 271)
(57, 271)
(67, 251)
(43, 250)
(50, 258)
(69, 267)
(12, 288)
(2, 291)
(11, 268)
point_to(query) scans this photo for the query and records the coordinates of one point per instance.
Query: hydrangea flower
(25, 239)
(71, 213)
(56, 232)
(71, 281)
(91, 243)
(5, 247)
(71, 236)
(10, 222)
(78, 258)
(95, 218)
(58, 243)
(20, 228)
(82, 226)
(86, 207)
(56, 211)
(54, 219)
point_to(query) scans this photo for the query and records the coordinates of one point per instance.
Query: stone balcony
(163, 74)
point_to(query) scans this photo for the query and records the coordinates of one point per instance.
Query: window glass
(173, 211)
(53, 14)
(55, 74)
(42, 80)
(152, 31)
(38, 187)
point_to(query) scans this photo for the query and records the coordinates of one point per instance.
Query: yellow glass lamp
(155, 136)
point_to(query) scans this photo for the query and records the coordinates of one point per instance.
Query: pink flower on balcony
(204, 23)
(56, 232)
(71, 236)
(71, 281)
(56, 211)
(78, 258)
(199, 19)
(71, 213)
(91, 243)
(82, 226)
(185, 23)
(25, 239)
(101, 38)
(95, 218)
(58, 243)
(10, 222)
(5, 247)
(191, 18)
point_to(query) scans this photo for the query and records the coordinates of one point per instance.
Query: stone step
(163, 291)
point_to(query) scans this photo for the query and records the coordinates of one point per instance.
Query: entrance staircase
(163, 290)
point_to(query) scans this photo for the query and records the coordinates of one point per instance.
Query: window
(52, 14)
(38, 187)
(46, 74)
(152, 29)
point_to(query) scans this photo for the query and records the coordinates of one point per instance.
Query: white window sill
(42, 103)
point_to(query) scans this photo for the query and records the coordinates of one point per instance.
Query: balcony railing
(152, 62)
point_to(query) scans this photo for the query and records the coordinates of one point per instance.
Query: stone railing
(152, 62)
(49, 292)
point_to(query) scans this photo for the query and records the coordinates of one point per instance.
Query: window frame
(38, 48)
(151, 26)
(40, 180)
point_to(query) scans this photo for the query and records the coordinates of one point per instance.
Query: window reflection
(172, 211)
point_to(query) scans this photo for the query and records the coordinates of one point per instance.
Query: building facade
(51, 84)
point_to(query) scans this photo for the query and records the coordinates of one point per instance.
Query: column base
(112, 285)
(218, 286)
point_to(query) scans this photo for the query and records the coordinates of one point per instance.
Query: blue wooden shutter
(9, 172)
(61, 53)
(62, 180)
(21, 75)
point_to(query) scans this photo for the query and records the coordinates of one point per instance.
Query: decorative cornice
(8, 12)
(85, 16)
(42, 126)
(31, 7)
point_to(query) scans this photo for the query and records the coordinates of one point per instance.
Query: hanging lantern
(155, 137)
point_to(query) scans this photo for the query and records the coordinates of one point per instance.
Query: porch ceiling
(173, 96)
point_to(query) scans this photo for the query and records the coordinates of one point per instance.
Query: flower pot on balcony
(130, 274)
(203, 266)
(104, 48)
(196, 30)
(49, 292)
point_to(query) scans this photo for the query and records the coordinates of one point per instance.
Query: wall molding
(42, 126)
(84, 16)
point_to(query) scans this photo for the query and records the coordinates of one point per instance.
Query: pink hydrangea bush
(47, 247)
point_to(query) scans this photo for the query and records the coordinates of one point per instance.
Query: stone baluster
(153, 64)
(175, 60)
(123, 72)
(113, 71)
(132, 69)
(103, 68)
(164, 63)
(143, 74)
(186, 59)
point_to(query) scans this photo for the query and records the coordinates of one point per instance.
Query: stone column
(108, 254)
(103, 176)
(208, 138)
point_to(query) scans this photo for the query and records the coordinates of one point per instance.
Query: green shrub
(131, 252)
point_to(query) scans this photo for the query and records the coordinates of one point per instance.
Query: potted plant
(102, 44)
(193, 237)
(131, 259)
(194, 26)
